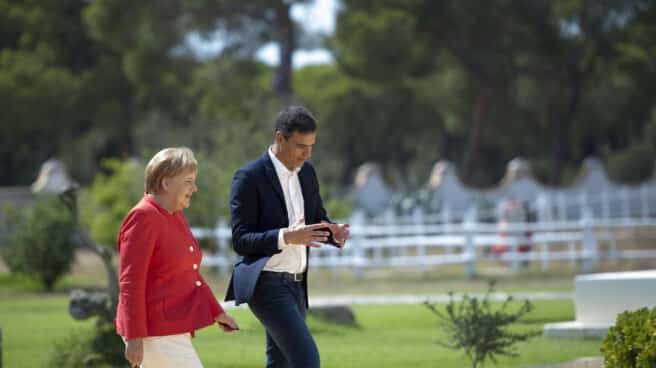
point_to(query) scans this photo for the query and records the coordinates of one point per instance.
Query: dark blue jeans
(279, 304)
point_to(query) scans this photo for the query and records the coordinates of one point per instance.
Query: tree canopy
(413, 82)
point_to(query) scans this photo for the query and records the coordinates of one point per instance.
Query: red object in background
(511, 212)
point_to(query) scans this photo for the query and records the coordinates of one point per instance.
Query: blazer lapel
(273, 178)
(306, 190)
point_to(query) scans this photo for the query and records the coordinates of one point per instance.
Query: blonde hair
(166, 163)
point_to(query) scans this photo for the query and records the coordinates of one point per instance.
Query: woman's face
(178, 189)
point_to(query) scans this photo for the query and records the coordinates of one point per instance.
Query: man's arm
(244, 208)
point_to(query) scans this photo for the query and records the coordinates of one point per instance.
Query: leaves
(631, 342)
(42, 247)
(483, 331)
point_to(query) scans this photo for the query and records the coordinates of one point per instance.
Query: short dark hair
(295, 119)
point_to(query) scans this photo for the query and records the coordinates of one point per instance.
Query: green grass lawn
(387, 336)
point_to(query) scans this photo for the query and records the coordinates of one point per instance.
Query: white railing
(421, 245)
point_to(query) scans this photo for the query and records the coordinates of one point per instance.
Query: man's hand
(340, 232)
(134, 351)
(226, 323)
(305, 235)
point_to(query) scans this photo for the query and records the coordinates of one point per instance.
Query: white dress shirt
(293, 257)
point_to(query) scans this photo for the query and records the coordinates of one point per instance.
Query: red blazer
(161, 291)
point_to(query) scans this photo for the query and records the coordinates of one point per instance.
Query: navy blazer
(257, 207)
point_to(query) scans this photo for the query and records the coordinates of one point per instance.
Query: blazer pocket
(176, 310)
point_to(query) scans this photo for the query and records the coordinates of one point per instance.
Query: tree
(62, 93)
(248, 25)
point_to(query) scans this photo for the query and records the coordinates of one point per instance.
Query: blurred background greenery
(104, 84)
(408, 83)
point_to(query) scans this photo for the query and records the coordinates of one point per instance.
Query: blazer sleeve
(244, 208)
(136, 244)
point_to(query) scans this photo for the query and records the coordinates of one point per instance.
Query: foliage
(633, 165)
(107, 201)
(42, 245)
(473, 325)
(61, 93)
(110, 197)
(631, 342)
(413, 82)
(100, 347)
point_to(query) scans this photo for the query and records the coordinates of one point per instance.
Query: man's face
(295, 149)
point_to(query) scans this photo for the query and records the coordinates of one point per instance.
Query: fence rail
(420, 245)
(575, 227)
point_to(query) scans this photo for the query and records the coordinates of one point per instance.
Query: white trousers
(172, 351)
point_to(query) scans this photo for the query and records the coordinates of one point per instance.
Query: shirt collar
(281, 169)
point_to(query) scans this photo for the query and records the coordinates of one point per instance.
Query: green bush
(100, 347)
(41, 246)
(631, 342)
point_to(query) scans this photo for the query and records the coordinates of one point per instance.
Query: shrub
(100, 347)
(41, 246)
(631, 342)
(482, 332)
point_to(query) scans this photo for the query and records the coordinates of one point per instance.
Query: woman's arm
(136, 244)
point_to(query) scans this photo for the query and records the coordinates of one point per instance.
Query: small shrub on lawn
(473, 325)
(631, 342)
(41, 245)
(100, 347)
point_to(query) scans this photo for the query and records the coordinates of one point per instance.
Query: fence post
(589, 243)
(447, 227)
(562, 207)
(390, 221)
(544, 215)
(583, 206)
(358, 227)
(644, 199)
(626, 210)
(418, 219)
(220, 251)
(605, 204)
(469, 252)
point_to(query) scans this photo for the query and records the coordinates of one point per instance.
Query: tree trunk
(84, 240)
(286, 38)
(474, 139)
(561, 127)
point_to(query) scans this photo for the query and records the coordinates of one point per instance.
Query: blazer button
(195, 266)
(191, 248)
(198, 283)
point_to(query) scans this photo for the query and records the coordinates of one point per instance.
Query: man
(277, 214)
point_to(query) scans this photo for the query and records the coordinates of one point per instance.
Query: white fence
(420, 241)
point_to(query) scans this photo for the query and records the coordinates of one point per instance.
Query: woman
(163, 298)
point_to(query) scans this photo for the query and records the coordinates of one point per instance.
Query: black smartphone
(331, 238)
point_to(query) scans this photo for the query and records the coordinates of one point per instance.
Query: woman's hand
(226, 323)
(134, 351)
